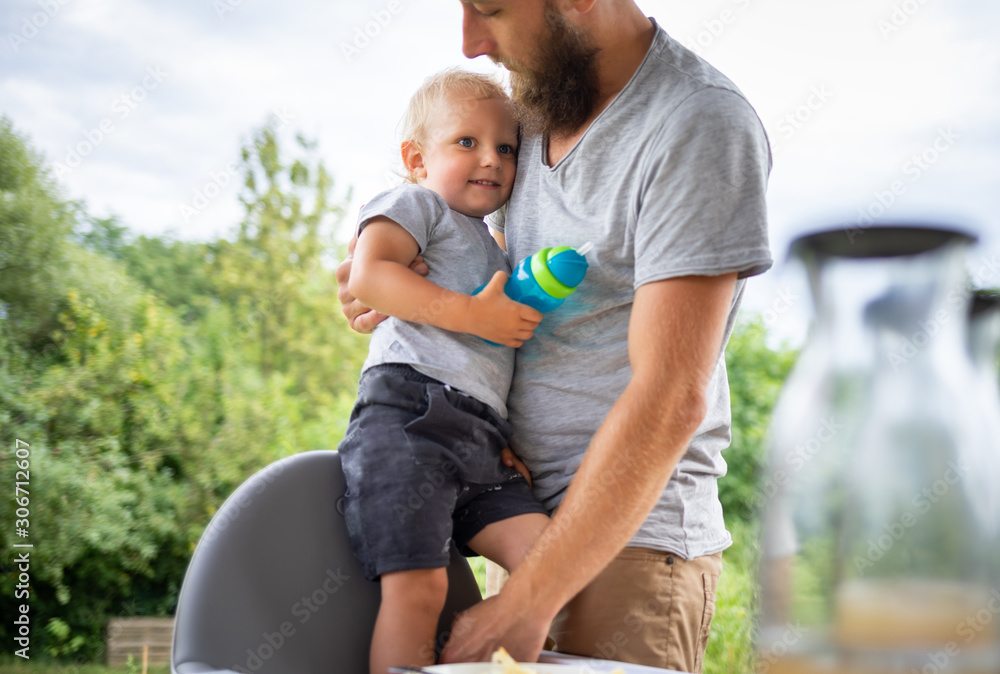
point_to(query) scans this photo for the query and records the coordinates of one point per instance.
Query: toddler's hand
(496, 317)
(509, 459)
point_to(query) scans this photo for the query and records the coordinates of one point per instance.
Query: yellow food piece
(511, 666)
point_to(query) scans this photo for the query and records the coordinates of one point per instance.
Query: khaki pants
(647, 607)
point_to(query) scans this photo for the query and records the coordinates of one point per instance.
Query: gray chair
(273, 587)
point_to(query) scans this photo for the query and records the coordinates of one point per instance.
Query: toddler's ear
(413, 159)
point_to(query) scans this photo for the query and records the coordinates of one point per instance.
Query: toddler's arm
(381, 279)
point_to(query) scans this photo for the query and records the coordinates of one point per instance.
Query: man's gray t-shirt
(668, 181)
(461, 256)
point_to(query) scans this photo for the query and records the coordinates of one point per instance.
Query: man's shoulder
(678, 95)
(681, 70)
(673, 78)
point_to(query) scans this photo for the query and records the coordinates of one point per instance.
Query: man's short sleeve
(700, 208)
(416, 209)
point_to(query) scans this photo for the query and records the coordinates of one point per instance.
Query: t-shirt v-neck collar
(597, 120)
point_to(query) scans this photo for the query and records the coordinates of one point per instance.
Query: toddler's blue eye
(466, 142)
(506, 149)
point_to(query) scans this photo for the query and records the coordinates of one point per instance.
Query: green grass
(13, 665)
(730, 646)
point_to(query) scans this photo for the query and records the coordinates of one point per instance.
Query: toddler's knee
(422, 590)
(435, 582)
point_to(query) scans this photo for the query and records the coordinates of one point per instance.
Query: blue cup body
(522, 287)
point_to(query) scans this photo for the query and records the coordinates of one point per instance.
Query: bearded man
(620, 401)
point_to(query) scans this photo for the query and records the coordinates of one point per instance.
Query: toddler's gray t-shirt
(461, 256)
(668, 181)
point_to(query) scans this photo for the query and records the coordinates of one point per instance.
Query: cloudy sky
(887, 107)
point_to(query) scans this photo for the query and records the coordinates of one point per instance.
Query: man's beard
(557, 94)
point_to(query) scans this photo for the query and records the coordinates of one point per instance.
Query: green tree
(179, 273)
(35, 223)
(273, 270)
(104, 235)
(276, 280)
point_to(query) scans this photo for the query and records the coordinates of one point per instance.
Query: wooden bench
(127, 636)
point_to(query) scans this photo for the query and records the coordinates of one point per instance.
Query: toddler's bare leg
(507, 542)
(407, 619)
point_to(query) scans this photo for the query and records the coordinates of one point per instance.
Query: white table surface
(608, 665)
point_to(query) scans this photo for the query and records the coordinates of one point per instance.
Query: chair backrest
(273, 586)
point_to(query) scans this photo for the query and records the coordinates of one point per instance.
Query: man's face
(552, 64)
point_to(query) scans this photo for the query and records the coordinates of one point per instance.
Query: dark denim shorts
(422, 464)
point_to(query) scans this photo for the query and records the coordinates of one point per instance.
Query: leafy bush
(756, 375)
(144, 406)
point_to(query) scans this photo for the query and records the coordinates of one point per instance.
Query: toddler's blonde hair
(449, 83)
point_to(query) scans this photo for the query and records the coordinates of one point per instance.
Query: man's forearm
(630, 460)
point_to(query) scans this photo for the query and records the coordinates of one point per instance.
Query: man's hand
(494, 316)
(359, 317)
(479, 631)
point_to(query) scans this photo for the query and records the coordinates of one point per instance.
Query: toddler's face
(469, 155)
